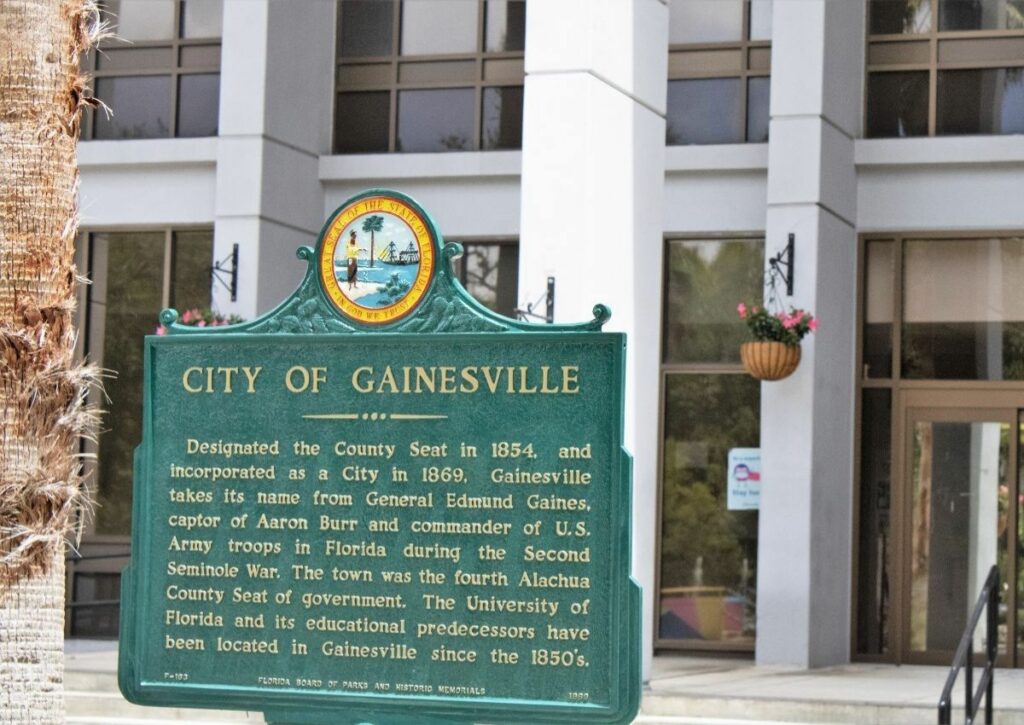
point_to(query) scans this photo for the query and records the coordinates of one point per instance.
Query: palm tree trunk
(41, 391)
(32, 647)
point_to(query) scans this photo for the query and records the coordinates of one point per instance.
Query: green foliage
(705, 416)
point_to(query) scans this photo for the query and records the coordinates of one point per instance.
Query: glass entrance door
(960, 506)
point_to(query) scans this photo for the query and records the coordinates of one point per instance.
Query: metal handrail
(988, 602)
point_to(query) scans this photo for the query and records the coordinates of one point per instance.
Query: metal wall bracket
(784, 259)
(549, 311)
(229, 268)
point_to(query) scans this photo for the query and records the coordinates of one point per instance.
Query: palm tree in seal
(371, 224)
(42, 392)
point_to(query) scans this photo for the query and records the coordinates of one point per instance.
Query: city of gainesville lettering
(449, 379)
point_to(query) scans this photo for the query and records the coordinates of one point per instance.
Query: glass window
(426, 94)
(506, 25)
(192, 253)
(502, 118)
(198, 104)
(718, 95)
(878, 309)
(141, 107)
(128, 291)
(889, 17)
(361, 122)
(490, 272)
(989, 101)
(954, 71)
(758, 96)
(874, 579)
(202, 18)
(98, 621)
(439, 26)
(898, 104)
(963, 309)
(705, 21)
(436, 120)
(981, 14)
(761, 19)
(141, 19)
(125, 300)
(705, 111)
(708, 551)
(366, 28)
(705, 281)
(160, 76)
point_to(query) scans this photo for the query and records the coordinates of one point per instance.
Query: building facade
(652, 155)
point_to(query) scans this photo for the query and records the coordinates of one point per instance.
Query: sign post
(383, 503)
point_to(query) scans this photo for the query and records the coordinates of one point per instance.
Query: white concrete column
(593, 171)
(277, 81)
(807, 434)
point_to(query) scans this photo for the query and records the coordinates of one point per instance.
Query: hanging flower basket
(775, 352)
(769, 360)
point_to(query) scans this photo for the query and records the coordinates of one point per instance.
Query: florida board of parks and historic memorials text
(381, 499)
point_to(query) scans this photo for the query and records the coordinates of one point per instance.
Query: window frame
(900, 389)
(754, 62)
(933, 40)
(665, 370)
(395, 62)
(177, 46)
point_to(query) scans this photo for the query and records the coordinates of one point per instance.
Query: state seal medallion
(377, 259)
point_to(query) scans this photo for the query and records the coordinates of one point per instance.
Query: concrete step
(714, 710)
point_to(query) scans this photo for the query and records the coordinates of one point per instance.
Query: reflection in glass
(1020, 538)
(761, 19)
(505, 28)
(704, 111)
(141, 107)
(705, 281)
(490, 272)
(758, 96)
(879, 278)
(708, 552)
(874, 554)
(141, 19)
(980, 101)
(127, 270)
(898, 104)
(436, 120)
(202, 18)
(705, 21)
(981, 14)
(192, 255)
(963, 309)
(198, 104)
(959, 505)
(361, 122)
(890, 17)
(503, 118)
(439, 26)
(99, 621)
(365, 28)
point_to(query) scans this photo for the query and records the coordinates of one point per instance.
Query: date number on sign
(507, 449)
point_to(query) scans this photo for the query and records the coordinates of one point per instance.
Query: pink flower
(742, 309)
(813, 324)
(161, 330)
(186, 316)
(790, 321)
(201, 323)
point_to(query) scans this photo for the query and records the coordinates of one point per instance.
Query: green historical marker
(383, 503)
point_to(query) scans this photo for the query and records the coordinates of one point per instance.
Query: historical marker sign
(382, 502)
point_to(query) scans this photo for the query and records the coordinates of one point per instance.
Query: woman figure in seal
(351, 253)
